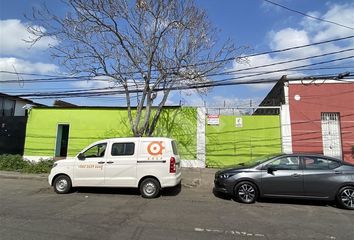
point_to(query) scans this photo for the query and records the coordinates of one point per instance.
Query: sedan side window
(318, 163)
(96, 151)
(285, 163)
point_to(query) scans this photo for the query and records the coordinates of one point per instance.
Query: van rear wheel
(149, 188)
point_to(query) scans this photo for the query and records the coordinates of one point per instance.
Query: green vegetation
(17, 163)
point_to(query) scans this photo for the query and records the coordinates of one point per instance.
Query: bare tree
(147, 46)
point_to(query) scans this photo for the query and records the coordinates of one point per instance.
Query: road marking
(332, 237)
(231, 232)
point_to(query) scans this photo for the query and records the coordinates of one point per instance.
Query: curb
(191, 177)
(19, 175)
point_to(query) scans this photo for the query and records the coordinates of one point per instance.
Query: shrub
(43, 166)
(11, 162)
(16, 163)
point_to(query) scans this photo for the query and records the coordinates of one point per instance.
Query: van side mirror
(81, 156)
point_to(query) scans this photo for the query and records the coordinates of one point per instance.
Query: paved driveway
(31, 210)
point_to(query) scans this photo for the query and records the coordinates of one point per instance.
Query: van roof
(143, 138)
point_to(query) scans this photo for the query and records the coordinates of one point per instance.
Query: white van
(145, 163)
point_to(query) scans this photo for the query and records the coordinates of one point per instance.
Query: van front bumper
(50, 178)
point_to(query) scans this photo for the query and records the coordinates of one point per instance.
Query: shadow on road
(103, 190)
(222, 196)
(166, 192)
(281, 200)
(298, 202)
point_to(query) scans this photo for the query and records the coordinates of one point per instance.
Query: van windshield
(174, 147)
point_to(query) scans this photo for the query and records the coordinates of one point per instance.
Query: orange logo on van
(155, 148)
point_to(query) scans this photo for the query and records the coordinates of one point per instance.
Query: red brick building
(317, 116)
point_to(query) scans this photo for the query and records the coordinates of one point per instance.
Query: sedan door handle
(110, 162)
(296, 175)
(100, 162)
(338, 172)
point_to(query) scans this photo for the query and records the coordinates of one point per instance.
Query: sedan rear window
(318, 163)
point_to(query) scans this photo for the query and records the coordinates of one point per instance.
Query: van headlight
(55, 164)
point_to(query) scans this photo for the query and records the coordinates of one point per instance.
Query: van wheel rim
(246, 192)
(149, 189)
(347, 198)
(61, 185)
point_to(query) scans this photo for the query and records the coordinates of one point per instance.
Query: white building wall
(285, 122)
(286, 129)
(201, 152)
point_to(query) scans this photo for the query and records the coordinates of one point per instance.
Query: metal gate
(12, 134)
(331, 135)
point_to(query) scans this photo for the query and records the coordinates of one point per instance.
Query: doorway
(61, 148)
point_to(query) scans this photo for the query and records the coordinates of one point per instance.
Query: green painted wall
(227, 145)
(88, 125)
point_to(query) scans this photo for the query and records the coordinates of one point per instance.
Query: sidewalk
(198, 177)
(191, 177)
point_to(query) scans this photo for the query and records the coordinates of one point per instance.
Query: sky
(255, 25)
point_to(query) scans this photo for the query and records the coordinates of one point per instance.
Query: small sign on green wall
(239, 122)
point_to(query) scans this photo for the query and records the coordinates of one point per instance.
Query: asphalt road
(29, 209)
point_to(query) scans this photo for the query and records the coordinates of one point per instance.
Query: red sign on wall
(213, 119)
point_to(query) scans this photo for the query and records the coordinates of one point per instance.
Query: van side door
(89, 171)
(121, 164)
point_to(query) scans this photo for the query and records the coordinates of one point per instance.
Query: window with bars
(331, 134)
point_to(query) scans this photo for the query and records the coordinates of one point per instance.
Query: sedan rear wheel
(346, 197)
(246, 192)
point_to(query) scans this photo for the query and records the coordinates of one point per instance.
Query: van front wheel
(62, 184)
(149, 188)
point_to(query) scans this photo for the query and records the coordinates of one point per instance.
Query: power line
(29, 90)
(309, 16)
(197, 64)
(202, 85)
(196, 86)
(283, 62)
(32, 90)
(286, 69)
(207, 75)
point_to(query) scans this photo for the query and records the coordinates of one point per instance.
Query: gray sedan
(302, 176)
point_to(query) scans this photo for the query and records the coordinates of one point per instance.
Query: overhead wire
(11, 90)
(198, 85)
(101, 93)
(309, 16)
(197, 64)
(207, 75)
